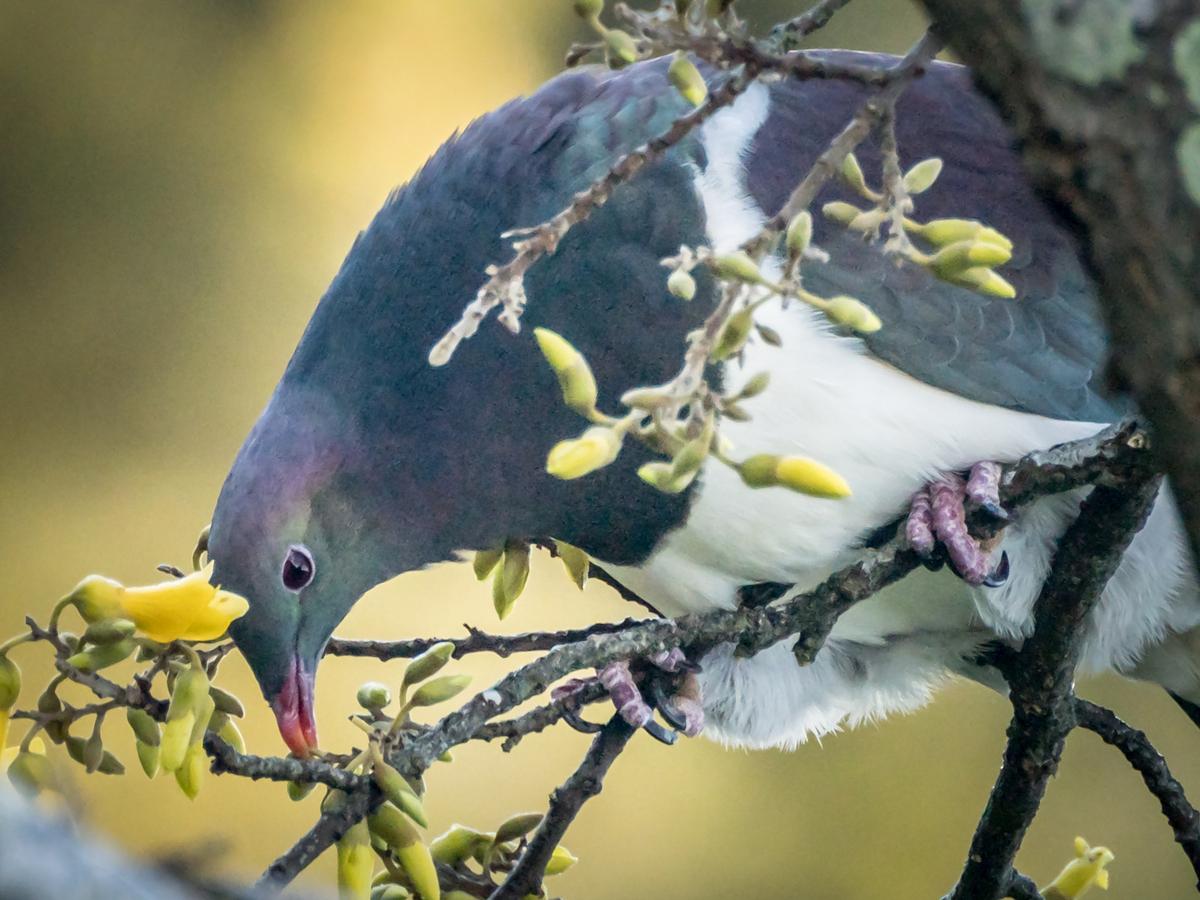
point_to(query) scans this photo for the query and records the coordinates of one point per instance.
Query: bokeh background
(178, 183)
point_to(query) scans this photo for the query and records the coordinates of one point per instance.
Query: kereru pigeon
(368, 462)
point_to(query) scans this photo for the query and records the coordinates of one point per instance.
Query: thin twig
(565, 803)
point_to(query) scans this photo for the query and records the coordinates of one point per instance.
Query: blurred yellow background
(178, 183)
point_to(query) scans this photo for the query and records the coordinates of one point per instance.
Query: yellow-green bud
(176, 738)
(101, 656)
(733, 334)
(867, 221)
(373, 695)
(428, 663)
(355, 863)
(396, 789)
(509, 580)
(10, 683)
(148, 757)
(560, 860)
(574, 374)
(517, 827)
(457, 844)
(395, 830)
(232, 735)
(575, 561)
(576, 457)
(622, 48)
(799, 234)
(298, 790)
(985, 281)
(841, 212)
(687, 79)
(439, 690)
(395, 892)
(660, 475)
(144, 727)
(961, 255)
(691, 455)
(852, 174)
(681, 284)
(109, 631)
(950, 231)
(97, 598)
(190, 774)
(853, 314)
(485, 561)
(226, 702)
(31, 773)
(588, 9)
(755, 385)
(93, 751)
(646, 398)
(49, 704)
(796, 472)
(922, 176)
(737, 266)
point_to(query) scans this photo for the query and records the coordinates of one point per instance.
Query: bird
(368, 462)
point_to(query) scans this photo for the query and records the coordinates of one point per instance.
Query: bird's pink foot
(682, 709)
(938, 513)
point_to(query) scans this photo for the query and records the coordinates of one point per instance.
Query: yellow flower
(187, 608)
(1087, 869)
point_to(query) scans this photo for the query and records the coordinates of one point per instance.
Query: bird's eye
(298, 568)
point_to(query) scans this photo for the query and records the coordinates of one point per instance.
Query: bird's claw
(938, 514)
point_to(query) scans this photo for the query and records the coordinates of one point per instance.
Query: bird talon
(572, 717)
(666, 706)
(664, 735)
(998, 575)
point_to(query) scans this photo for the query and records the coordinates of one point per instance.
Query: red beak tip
(293, 707)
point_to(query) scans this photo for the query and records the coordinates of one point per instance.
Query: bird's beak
(293, 707)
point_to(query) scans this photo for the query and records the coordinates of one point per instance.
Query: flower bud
(661, 475)
(687, 79)
(93, 750)
(841, 212)
(985, 281)
(148, 757)
(395, 788)
(576, 457)
(681, 284)
(560, 860)
(176, 738)
(922, 176)
(428, 663)
(101, 656)
(355, 863)
(733, 334)
(796, 472)
(799, 234)
(109, 631)
(190, 774)
(949, 231)
(509, 581)
(226, 702)
(439, 690)
(31, 773)
(574, 374)
(49, 704)
(485, 561)
(622, 49)
(589, 9)
(10, 683)
(298, 790)
(391, 826)
(97, 598)
(517, 827)
(575, 561)
(144, 727)
(961, 255)
(853, 314)
(373, 695)
(457, 844)
(737, 266)
(852, 174)
(755, 386)
(646, 398)
(232, 735)
(397, 892)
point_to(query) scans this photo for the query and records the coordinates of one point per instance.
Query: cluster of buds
(508, 567)
(620, 47)
(965, 251)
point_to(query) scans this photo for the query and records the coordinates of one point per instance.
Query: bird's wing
(1042, 352)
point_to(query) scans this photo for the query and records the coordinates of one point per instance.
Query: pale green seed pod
(575, 377)
(101, 656)
(575, 561)
(852, 313)
(799, 234)
(109, 631)
(841, 212)
(147, 757)
(485, 561)
(373, 695)
(144, 727)
(687, 79)
(921, 177)
(681, 284)
(732, 337)
(737, 266)
(428, 663)
(439, 690)
(852, 174)
(10, 683)
(516, 827)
